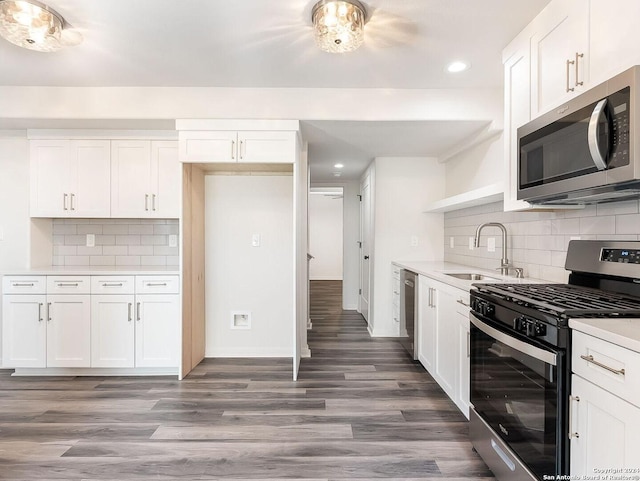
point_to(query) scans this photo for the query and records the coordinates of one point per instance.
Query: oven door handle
(517, 344)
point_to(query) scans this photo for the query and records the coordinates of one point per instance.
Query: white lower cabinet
(68, 330)
(443, 342)
(605, 430)
(118, 329)
(157, 330)
(112, 330)
(24, 330)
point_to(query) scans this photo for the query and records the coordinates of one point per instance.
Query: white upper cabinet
(614, 37)
(559, 54)
(70, 178)
(145, 179)
(256, 147)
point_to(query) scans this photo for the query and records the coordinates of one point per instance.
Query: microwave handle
(594, 128)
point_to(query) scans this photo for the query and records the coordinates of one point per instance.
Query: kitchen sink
(469, 276)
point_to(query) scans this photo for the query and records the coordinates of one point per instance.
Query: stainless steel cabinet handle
(409, 283)
(571, 434)
(241, 147)
(431, 297)
(569, 63)
(48, 312)
(460, 301)
(589, 358)
(146, 202)
(158, 284)
(40, 312)
(119, 284)
(153, 201)
(22, 284)
(137, 311)
(578, 56)
(71, 203)
(129, 306)
(64, 201)
(233, 150)
(67, 284)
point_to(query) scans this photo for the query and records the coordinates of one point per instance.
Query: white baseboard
(382, 332)
(350, 307)
(325, 278)
(249, 352)
(96, 371)
(305, 352)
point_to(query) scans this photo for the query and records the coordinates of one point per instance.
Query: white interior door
(365, 247)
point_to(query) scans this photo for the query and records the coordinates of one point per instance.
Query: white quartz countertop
(94, 270)
(438, 270)
(623, 332)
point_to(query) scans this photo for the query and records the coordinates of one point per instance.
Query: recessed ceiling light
(457, 66)
(339, 166)
(337, 174)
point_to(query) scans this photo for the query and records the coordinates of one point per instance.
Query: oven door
(515, 389)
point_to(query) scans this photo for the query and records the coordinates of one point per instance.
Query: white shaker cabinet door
(605, 430)
(427, 318)
(24, 331)
(50, 192)
(90, 195)
(69, 331)
(208, 146)
(267, 147)
(166, 179)
(112, 331)
(447, 342)
(131, 178)
(157, 318)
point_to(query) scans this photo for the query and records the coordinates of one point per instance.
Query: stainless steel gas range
(520, 356)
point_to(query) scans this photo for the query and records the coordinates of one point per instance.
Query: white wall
(477, 167)
(403, 187)
(245, 278)
(14, 205)
(351, 236)
(325, 237)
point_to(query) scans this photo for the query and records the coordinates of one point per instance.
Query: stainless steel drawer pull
(22, 284)
(578, 56)
(589, 358)
(460, 301)
(64, 201)
(146, 201)
(48, 311)
(159, 284)
(153, 201)
(137, 311)
(40, 312)
(569, 63)
(67, 284)
(112, 285)
(72, 206)
(571, 433)
(129, 306)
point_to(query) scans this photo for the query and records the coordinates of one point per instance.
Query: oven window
(516, 394)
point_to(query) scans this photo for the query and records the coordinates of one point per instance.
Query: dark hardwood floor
(360, 410)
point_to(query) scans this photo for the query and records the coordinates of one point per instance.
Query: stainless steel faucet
(504, 262)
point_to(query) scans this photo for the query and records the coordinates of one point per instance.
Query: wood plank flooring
(360, 410)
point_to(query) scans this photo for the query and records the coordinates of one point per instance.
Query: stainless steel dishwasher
(408, 309)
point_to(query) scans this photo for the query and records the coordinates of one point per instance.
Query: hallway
(361, 410)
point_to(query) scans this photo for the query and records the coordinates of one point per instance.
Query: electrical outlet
(173, 240)
(491, 244)
(452, 242)
(91, 240)
(471, 243)
(414, 241)
(255, 240)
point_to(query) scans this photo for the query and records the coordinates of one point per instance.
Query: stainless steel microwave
(585, 151)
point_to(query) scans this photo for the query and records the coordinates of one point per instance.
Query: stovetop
(566, 300)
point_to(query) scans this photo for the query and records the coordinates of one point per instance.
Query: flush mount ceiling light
(33, 25)
(338, 25)
(458, 66)
(339, 166)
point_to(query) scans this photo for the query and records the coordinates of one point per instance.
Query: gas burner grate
(567, 300)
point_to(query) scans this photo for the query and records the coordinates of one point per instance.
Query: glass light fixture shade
(31, 24)
(338, 25)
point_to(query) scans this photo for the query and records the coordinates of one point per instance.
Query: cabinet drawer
(462, 304)
(24, 285)
(68, 284)
(157, 284)
(613, 368)
(112, 284)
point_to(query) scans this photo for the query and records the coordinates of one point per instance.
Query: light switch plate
(91, 240)
(255, 240)
(491, 244)
(471, 247)
(414, 241)
(451, 242)
(173, 240)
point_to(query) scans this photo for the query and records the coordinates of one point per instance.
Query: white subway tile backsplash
(119, 242)
(537, 241)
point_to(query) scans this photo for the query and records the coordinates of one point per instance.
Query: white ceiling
(267, 43)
